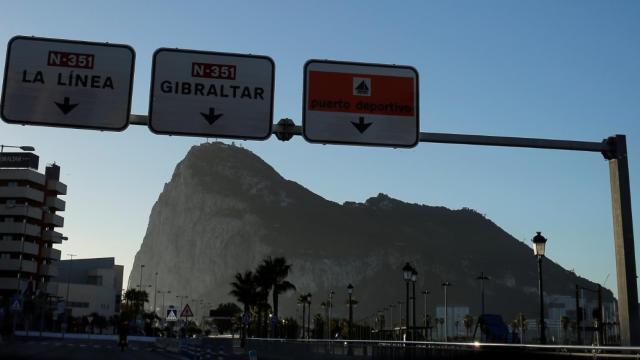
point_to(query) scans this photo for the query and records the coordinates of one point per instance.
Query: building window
(12, 184)
(95, 280)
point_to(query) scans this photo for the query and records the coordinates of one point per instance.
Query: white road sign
(211, 94)
(360, 104)
(67, 83)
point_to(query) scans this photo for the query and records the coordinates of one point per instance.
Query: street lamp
(407, 271)
(309, 316)
(445, 285)
(426, 331)
(155, 293)
(350, 292)
(414, 277)
(140, 286)
(23, 147)
(482, 278)
(331, 292)
(539, 242)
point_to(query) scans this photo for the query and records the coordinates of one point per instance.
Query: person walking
(123, 332)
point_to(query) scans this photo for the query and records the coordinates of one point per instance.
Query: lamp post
(155, 293)
(140, 286)
(350, 292)
(482, 278)
(309, 316)
(539, 242)
(164, 311)
(414, 277)
(445, 285)
(426, 331)
(407, 270)
(331, 292)
(23, 147)
(393, 333)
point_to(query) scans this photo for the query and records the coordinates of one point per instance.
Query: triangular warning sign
(16, 305)
(362, 87)
(186, 311)
(172, 315)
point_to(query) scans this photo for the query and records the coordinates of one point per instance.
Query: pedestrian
(123, 332)
(221, 355)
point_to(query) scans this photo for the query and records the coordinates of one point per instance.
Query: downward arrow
(66, 106)
(211, 117)
(361, 125)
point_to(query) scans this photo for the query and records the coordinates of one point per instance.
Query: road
(67, 349)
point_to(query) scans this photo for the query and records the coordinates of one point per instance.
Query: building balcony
(57, 186)
(14, 265)
(48, 270)
(52, 236)
(21, 210)
(22, 175)
(50, 253)
(16, 246)
(10, 227)
(11, 283)
(53, 220)
(55, 203)
(21, 192)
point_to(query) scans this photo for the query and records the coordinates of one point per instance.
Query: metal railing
(287, 349)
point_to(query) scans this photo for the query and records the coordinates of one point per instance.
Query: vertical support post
(628, 313)
(543, 336)
(578, 315)
(600, 317)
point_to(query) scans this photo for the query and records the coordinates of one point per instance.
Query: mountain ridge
(225, 209)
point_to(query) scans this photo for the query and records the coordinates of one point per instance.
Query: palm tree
(302, 299)
(521, 321)
(274, 272)
(468, 323)
(245, 290)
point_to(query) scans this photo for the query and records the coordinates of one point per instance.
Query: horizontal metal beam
(285, 130)
(514, 142)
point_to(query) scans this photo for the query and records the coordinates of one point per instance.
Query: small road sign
(246, 318)
(211, 94)
(67, 83)
(186, 312)
(16, 304)
(360, 104)
(172, 315)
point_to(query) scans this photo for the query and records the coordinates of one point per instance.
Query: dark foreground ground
(69, 349)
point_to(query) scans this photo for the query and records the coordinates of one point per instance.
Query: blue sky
(551, 69)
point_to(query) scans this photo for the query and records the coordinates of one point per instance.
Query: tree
(303, 299)
(274, 272)
(520, 322)
(229, 310)
(245, 290)
(468, 323)
(136, 299)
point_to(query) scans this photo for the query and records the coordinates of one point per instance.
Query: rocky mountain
(225, 209)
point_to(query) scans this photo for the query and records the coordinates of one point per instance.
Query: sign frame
(75, 42)
(354, 63)
(215, 53)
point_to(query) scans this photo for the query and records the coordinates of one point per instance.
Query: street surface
(79, 349)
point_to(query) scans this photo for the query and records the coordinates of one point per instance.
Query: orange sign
(361, 93)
